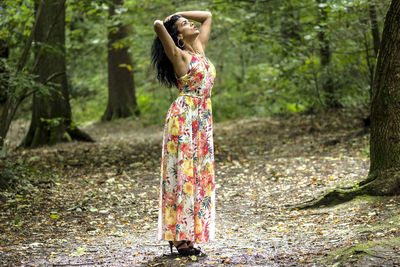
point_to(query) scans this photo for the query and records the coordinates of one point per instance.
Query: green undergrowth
(19, 176)
(154, 101)
(87, 110)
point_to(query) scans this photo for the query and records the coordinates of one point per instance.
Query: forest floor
(95, 204)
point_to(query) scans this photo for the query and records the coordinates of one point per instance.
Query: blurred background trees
(121, 88)
(272, 57)
(51, 113)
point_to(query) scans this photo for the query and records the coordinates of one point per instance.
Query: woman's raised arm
(205, 18)
(171, 50)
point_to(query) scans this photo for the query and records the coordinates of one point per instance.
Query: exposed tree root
(339, 195)
(61, 133)
(380, 183)
(367, 180)
(79, 135)
(366, 251)
(331, 198)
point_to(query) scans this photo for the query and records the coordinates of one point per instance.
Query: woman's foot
(182, 247)
(191, 246)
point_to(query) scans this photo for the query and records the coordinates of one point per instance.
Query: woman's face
(187, 28)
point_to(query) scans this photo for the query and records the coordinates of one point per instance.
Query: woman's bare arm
(205, 18)
(179, 59)
(171, 50)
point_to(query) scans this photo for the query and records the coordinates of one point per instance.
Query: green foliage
(21, 174)
(12, 172)
(154, 103)
(267, 53)
(52, 123)
(16, 19)
(20, 83)
(86, 45)
(88, 109)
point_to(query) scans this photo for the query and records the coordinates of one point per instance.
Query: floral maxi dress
(187, 183)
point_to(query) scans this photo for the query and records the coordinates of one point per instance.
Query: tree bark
(374, 28)
(4, 90)
(121, 90)
(51, 115)
(376, 41)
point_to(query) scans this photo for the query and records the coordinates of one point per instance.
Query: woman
(187, 196)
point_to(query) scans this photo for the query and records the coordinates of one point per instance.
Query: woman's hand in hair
(168, 18)
(158, 22)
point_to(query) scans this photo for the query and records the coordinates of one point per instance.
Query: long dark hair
(160, 61)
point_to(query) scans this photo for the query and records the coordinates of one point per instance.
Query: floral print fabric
(187, 184)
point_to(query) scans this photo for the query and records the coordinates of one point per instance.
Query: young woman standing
(187, 183)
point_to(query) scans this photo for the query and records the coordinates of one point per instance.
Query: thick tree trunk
(328, 85)
(121, 90)
(51, 115)
(385, 108)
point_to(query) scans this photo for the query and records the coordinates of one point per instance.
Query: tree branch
(54, 75)
(28, 42)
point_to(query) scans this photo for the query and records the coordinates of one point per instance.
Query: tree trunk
(376, 41)
(51, 115)
(385, 108)
(374, 28)
(121, 89)
(4, 91)
(328, 85)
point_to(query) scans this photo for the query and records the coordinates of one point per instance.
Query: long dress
(187, 180)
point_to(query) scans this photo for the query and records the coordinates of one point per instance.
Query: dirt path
(96, 204)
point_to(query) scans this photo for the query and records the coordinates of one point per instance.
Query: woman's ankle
(177, 243)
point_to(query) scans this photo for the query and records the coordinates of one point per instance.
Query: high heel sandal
(182, 251)
(196, 250)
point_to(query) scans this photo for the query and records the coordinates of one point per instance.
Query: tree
(374, 28)
(375, 37)
(384, 173)
(51, 114)
(4, 52)
(12, 96)
(121, 90)
(4, 89)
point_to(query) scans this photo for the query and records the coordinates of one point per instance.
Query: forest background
(272, 57)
